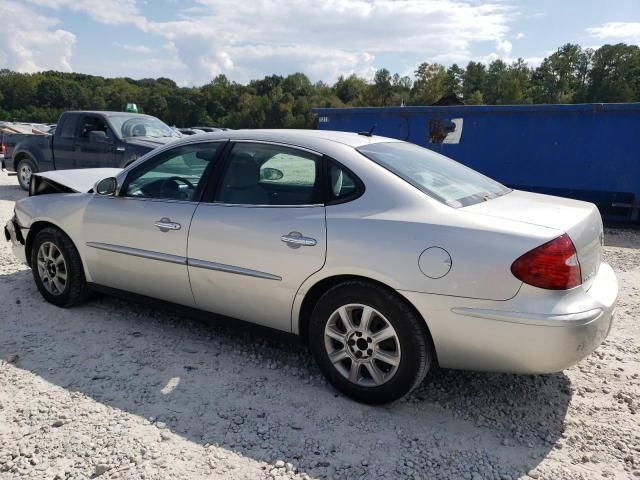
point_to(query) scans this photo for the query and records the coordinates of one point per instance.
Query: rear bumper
(537, 331)
(6, 165)
(13, 234)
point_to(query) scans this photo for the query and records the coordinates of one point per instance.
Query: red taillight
(553, 265)
(3, 150)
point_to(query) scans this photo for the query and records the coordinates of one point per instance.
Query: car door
(64, 139)
(92, 153)
(137, 240)
(260, 234)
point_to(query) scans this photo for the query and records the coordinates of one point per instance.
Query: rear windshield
(436, 175)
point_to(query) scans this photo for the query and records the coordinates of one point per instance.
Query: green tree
(428, 86)
(474, 79)
(379, 93)
(615, 74)
(350, 88)
(562, 76)
(453, 81)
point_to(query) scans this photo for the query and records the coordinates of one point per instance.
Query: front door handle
(296, 240)
(165, 224)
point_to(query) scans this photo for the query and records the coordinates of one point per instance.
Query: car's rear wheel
(26, 167)
(368, 342)
(57, 268)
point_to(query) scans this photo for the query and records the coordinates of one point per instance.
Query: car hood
(65, 181)
(149, 142)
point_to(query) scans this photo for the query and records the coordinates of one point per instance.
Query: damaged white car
(385, 257)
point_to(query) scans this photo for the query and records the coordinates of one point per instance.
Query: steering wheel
(165, 183)
(180, 179)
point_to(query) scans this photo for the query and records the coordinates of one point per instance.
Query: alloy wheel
(52, 268)
(362, 345)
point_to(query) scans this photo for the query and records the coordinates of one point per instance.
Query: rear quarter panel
(382, 234)
(38, 147)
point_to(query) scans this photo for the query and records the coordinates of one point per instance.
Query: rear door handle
(295, 240)
(165, 224)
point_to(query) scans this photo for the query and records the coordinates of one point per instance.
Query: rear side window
(68, 127)
(341, 184)
(436, 175)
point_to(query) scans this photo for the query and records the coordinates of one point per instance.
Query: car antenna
(369, 133)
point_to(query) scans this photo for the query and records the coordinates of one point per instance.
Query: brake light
(553, 266)
(3, 150)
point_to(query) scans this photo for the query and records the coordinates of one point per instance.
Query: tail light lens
(553, 266)
(3, 149)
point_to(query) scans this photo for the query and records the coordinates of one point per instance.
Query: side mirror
(98, 136)
(108, 186)
(271, 174)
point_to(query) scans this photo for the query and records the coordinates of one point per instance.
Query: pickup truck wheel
(57, 268)
(26, 168)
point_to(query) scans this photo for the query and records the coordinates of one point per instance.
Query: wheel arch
(21, 155)
(314, 293)
(35, 228)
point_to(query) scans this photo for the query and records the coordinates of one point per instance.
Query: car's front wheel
(57, 268)
(369, 342)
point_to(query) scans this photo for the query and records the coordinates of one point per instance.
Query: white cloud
(323, 38)
(113, 12)
(133, 48)
(503, 48)
(617, 31)
(29, 42)
(519, 35)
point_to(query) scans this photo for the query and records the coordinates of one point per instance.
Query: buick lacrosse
(386, 257)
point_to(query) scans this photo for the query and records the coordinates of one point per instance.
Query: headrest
(244, 171)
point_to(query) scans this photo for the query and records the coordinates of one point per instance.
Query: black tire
(75, 289)
(31, 165)
(411, 333)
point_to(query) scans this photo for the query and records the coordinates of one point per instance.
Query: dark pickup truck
(85, 140)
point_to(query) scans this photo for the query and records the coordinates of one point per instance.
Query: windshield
(141, 126)
(436, 175)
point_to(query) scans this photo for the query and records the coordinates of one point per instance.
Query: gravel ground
(115, 389)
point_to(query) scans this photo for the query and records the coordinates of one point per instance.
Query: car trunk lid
(580, 220)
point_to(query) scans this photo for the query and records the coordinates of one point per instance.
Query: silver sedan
(387, 258)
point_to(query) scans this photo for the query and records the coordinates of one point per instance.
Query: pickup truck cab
(85, 139)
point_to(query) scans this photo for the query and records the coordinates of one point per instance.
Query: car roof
(107, 113)
(292, 136)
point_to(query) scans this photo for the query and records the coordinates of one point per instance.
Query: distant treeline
(570, 75)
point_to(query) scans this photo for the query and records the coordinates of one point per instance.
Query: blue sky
(192, 41)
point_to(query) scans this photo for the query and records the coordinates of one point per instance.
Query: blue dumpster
(586, 151)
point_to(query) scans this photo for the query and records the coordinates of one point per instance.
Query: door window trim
(202, 184)
(214, 183)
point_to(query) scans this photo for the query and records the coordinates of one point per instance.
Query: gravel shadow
(262, 396)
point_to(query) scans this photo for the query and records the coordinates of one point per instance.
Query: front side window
(92, 124)
(172, 175)
(263, 174)
(436, 175)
